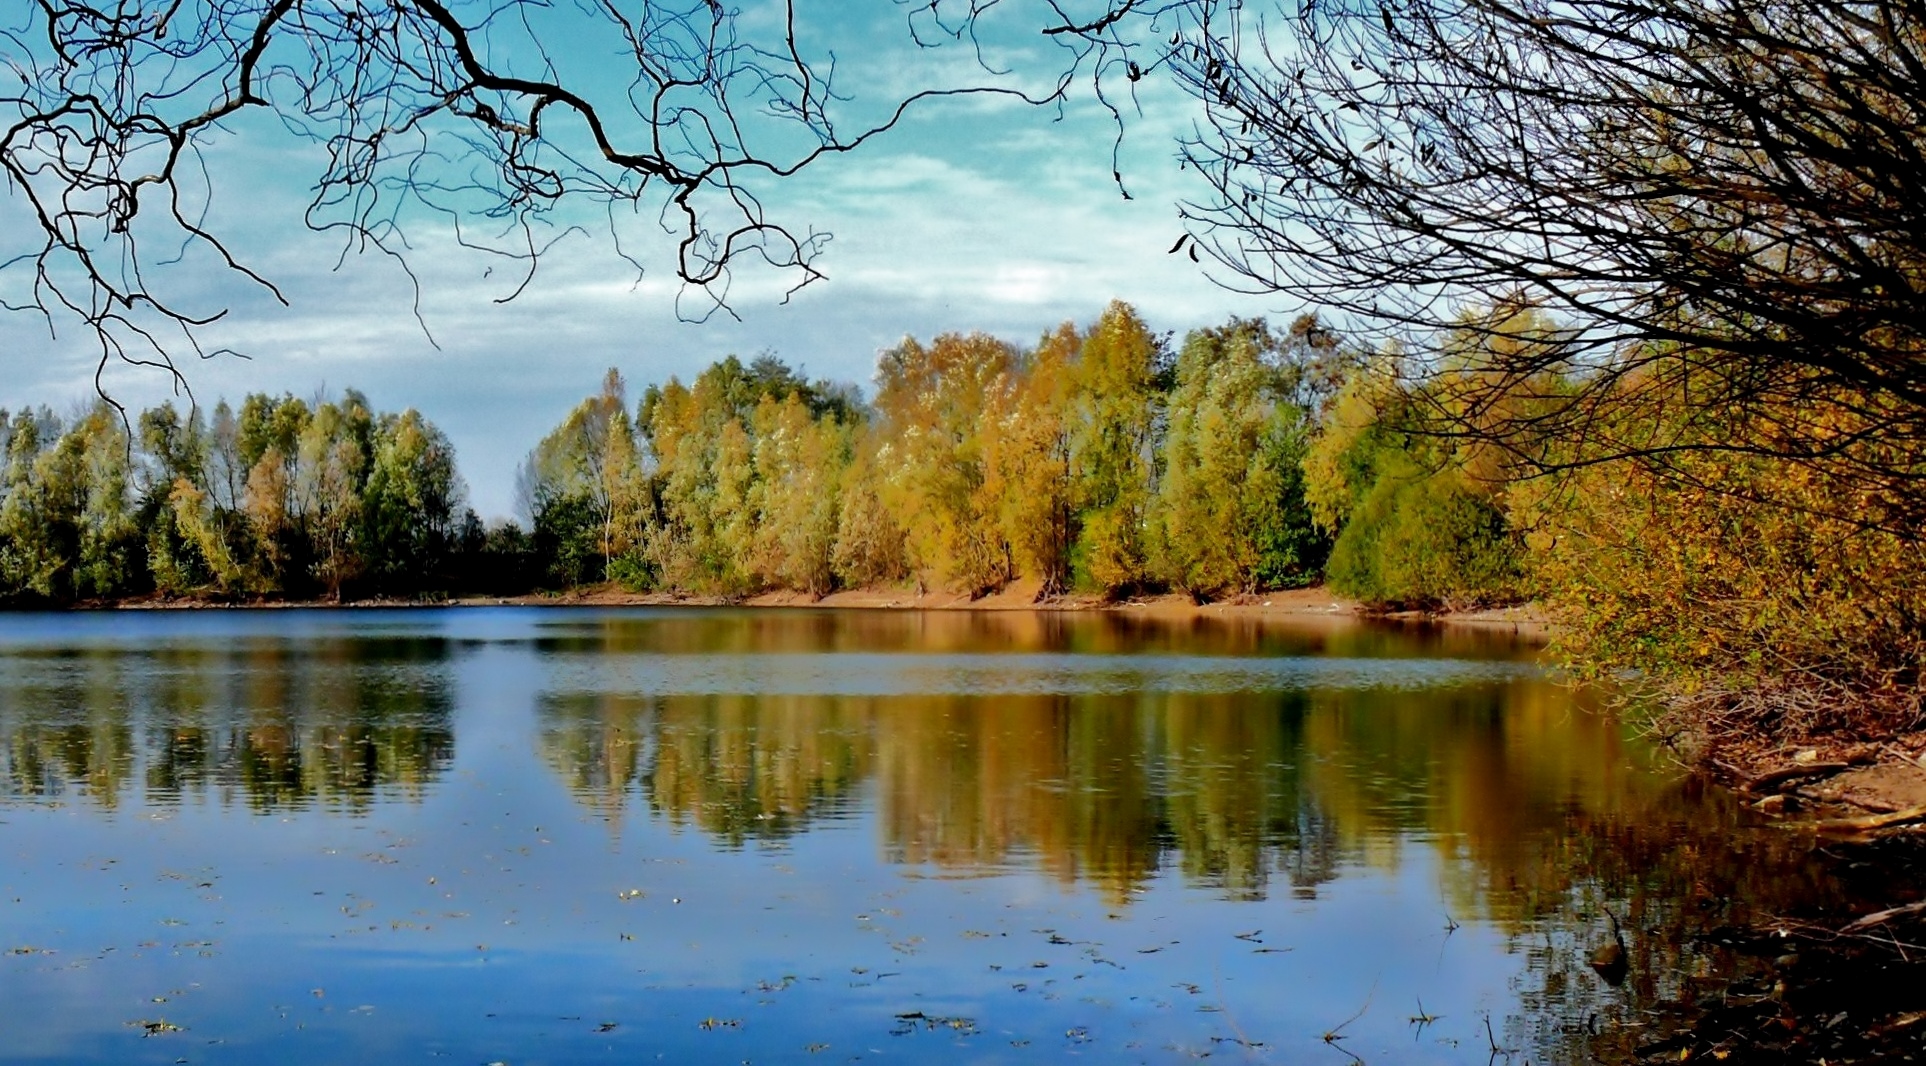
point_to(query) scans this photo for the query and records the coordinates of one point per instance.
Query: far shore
(1526, 622)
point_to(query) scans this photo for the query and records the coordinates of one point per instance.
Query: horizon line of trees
(282, 498)
(1099, 460)
(1755, 593)
(1104, 459)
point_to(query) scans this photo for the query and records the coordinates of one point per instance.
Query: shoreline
(1525, 622)
(1800, 784)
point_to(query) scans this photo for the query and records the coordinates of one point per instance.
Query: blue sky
(973, 215)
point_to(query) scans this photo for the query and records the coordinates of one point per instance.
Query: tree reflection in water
(1538, 814)
(340, 724)
(1541, 813)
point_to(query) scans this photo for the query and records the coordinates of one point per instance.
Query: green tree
(1230, 514)
(1113, 417)
(30, 556)
(68, 522)
(1413, 525)
(206, 527)
(569, 472)
(410, 504)
(176, 451)
(745, 487)
(112, 550)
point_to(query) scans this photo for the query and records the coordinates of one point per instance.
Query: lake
(560, 835)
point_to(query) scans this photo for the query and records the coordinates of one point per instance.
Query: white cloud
(976, 217)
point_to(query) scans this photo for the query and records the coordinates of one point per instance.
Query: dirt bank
(1857, 789)
(1296, 605)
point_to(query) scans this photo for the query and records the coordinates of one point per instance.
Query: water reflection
(816, 632)
(1347, 783)
(1236, 790)
(1540, 813)
(258, 723)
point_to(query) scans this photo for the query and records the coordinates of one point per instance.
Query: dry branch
(1871, 821)
(1878, 918)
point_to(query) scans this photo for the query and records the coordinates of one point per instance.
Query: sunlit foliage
(1734, 586)
(1230, 514)
(744, 491)
(1414, 525)
(932, 404)
(1071, 467)
(285, 499)
(1113, 419)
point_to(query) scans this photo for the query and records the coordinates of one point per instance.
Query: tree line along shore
(1102, 463)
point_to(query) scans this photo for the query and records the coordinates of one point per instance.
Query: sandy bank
(1296, 605)
(1813, 782)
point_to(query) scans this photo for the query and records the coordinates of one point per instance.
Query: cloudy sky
(972, 215)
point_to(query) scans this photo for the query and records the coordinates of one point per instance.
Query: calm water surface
(525, 836)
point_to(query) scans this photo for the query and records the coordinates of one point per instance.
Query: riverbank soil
(1885, 780)
(1525, 621)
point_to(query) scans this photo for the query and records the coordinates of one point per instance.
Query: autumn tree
(268, 435)
(871, 546)
(799, 461)
(1113, 416)
(1230, 514)
(931, 404)
(1029, 463)
(746, 481)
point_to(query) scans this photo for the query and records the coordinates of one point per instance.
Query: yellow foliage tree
(931, 402)
(1112, 419)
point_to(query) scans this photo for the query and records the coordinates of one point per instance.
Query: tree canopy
(1717, 204)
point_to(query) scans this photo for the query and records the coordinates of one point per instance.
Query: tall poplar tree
(1029, 461)
(931, 403)
(1113, 417)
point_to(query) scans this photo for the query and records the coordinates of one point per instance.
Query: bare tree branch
(480, 113)
(1722, 203)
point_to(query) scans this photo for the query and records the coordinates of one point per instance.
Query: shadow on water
(1533, 812)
